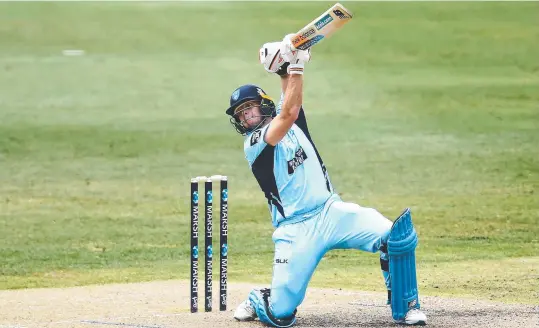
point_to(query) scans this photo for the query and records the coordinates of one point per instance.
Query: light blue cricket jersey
(291, 174)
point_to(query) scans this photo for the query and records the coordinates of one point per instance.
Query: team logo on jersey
(255, 138)
(298, 159)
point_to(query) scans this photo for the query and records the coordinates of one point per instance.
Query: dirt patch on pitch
(164, 304)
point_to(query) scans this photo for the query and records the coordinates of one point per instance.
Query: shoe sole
(418, 323)
(244, 320)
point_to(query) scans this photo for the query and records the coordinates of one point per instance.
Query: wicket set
(208, 234)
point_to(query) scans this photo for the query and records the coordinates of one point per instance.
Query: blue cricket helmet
(246, 93)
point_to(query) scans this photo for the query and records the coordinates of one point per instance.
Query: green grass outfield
(434, 106)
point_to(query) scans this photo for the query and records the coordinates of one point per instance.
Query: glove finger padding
(296, 58)
(291, 54)
(303, 56)
(288, 52)
(270, 57)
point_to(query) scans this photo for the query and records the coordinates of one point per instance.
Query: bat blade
(322, 27)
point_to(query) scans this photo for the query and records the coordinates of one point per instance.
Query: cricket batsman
(309, 217)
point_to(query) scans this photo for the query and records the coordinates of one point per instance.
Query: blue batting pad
(401, 249)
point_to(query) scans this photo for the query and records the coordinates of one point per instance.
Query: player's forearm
(293, 98)
(284, 82)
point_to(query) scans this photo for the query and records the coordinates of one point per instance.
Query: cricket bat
(322, 27)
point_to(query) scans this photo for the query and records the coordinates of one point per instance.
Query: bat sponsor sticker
(340, 14)
(311, 42)
(298, 39)
(323, 22)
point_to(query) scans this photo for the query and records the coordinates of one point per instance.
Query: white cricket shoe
(245, 311)
(414, 317)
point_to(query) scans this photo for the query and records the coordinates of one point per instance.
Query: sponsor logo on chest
(299, 158)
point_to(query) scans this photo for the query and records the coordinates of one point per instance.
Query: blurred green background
(433, 106)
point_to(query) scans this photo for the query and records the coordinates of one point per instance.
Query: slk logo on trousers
(281, 261)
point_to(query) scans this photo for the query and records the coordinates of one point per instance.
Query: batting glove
(296, 58)
(270, 57)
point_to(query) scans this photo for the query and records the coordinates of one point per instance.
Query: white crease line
(162, 315)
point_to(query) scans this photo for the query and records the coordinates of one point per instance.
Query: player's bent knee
(281, 310)
(260, 301)
(284, 301)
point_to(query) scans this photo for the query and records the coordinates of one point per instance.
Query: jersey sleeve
(254, 144)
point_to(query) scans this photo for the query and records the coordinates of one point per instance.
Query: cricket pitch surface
(165, 304)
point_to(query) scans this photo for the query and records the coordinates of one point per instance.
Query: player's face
(249, 114)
